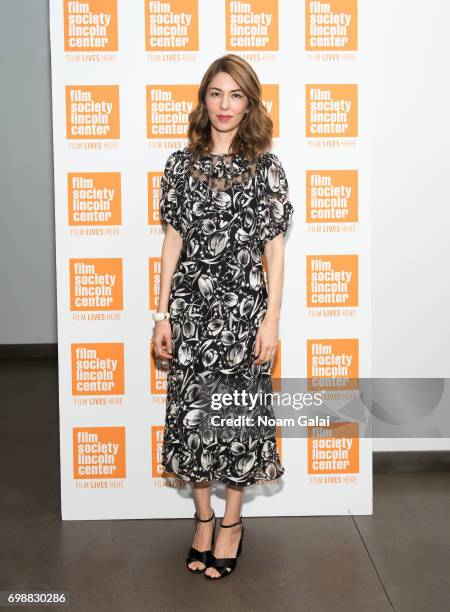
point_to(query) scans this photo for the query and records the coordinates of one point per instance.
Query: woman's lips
(224, 117)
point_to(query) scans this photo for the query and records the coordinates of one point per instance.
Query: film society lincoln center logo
(98, 452)
(331, 111)
(94, 198)
(332, 281)
(332, 363)
(92, 112)
(331, 196)
(334, 449)
(251, 25)
(98, 368)
(331, 25)
(96, 284)
(171, 26)
(90, 25)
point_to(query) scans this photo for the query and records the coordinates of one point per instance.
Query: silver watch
(160, 316)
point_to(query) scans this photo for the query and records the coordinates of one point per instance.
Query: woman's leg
(204, 531)
(227, 541)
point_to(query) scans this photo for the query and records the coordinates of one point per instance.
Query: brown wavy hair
(254, 135)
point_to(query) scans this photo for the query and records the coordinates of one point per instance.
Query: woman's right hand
(162, 339)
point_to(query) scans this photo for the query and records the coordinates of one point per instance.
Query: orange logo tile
(96, 284)
(251, 25)
(171, 25)
(168, 108)
(92, 112)
(334, 449)
(99, 452)
(331, 111)
(333, 364)
(331, 196)
(94, 198)
(98, 368)
(90, 26)
(332, 281)
(331, 25)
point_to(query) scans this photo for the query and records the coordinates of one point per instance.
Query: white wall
(410, 196)
(411, 211)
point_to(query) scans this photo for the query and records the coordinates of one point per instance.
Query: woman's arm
(267, 336)
(170, 252)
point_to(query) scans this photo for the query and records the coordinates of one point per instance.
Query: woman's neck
(221, 141)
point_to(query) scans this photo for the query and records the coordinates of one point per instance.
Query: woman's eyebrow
(218, 88)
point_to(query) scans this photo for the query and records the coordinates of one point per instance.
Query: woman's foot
(202, 538)
(227, 544)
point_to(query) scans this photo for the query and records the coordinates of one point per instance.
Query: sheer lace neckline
(222, 156)
(220, 171)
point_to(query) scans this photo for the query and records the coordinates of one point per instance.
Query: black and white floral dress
(226, 208)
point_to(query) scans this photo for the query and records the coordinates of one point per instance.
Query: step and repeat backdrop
(125, 75)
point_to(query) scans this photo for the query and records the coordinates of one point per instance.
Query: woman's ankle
(204, 515)
(230, 520)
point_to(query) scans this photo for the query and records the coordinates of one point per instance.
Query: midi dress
(226, 208)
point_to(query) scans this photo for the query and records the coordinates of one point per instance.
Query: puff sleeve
(168, 201)
(277, 210)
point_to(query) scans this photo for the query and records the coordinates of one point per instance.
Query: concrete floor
(398, 559)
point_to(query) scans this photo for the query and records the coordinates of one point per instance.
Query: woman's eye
(216, 93)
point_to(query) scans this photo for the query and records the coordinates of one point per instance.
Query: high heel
(225, 566)
(202, 556)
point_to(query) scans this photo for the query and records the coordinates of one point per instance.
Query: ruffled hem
(257, 476)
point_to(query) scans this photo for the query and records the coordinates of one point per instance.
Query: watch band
(160, 316)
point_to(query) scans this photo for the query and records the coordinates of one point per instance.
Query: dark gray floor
(397, 559)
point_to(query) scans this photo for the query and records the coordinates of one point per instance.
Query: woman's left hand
(266, 340)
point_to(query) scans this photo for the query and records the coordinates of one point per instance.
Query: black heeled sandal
(225, 566)
(202, 556)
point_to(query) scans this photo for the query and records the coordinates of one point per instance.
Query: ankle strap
(233, 524)
(204, 520)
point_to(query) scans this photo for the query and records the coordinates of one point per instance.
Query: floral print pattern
(217, 301)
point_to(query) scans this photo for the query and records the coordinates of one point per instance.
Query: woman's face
(225, 102)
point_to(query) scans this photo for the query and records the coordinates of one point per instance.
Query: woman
(224, 201)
